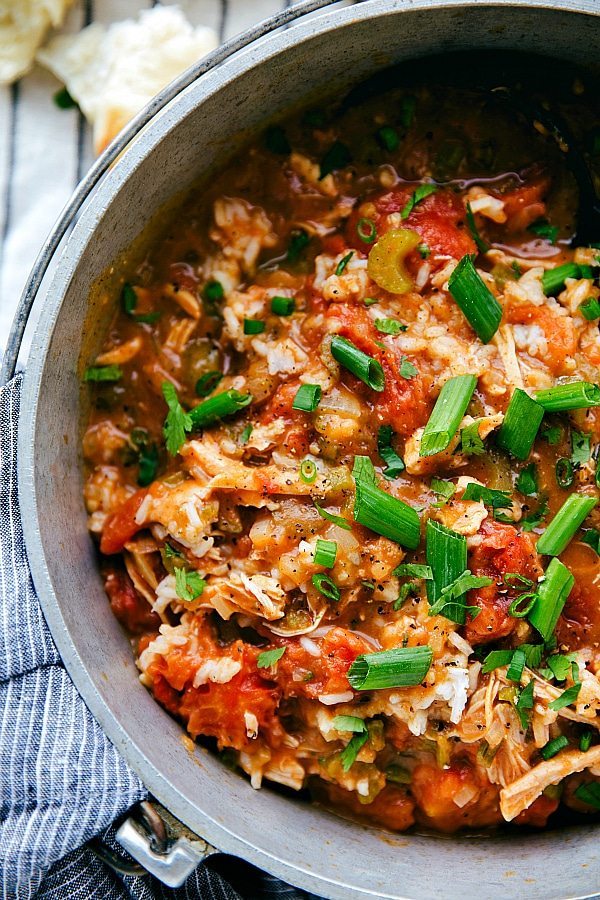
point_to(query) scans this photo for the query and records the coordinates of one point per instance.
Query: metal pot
(200, 127)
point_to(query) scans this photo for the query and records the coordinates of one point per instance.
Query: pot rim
(266, 45)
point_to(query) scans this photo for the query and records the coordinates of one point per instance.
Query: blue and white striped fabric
(61, 780)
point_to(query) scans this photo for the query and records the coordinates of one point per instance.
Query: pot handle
(67, 217)
(160, 845)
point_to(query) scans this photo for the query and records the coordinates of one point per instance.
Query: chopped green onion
(401, 667)
(215, 408)
(326, 586)
(542, 228)
(369, 301)
(553, 747)
(407, 369)
(245, 435)
(337, 157)
(517, 664)
(525, 702)
(128, 299)
(343, 263)
(424, 251)
(253, 326)
(553, 280)
(366, 368)
(148, 318)
(308, 471)
(269, 658)
(352, 749)
(445, 490)
(103, 373)
(566, 698)
(414, 570)
(325, 553)
(177, 423)
(482, 245)
(526, 482)
(363, 470)
(365, 229)
(478, 304)
(299, 240)
(488, 496)
(207, 383)
(565, 524)
(447, 414)
(589, 793)
(522, 605)
(388, 138)
(308, 397)
(563, 471)
(471, 443)
(520, 426)
(389, 326)
(496, 659)
(585, 741)
(590, 309)
(446, 555)
(394, 464)
(592, 538)
(331, 517)
(580, 448)
(551, 597)
(188, 585)
(386, 515)
(283, 306)
(63, 99)
(349, 723)
(213, 291)
(423, 191)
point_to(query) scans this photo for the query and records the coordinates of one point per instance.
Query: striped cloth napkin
(61, 780)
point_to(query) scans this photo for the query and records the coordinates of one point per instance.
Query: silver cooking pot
(241, 87)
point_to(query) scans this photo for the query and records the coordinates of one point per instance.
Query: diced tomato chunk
(121, 525)
(217, 709)
(131, 609)
(524, 205)
(300, 674)
(435, 791)
(439, 219)
(403, 403)
(279, 406)
(503, 549)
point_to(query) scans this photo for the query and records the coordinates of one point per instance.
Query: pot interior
(198, 131)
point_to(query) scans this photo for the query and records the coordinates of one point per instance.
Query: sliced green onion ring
(308, 471)
(218, 407)
(521, 424)
(572, 395)
(326, 586)
(365, 228)
(447, 414)
(366, 368)
(564, 525)
(401, 667)
(308, 397)
(522, 605)
(471, 294)
(552, 595)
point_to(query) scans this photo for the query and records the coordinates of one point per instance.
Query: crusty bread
(113, 72)
(23, 25)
